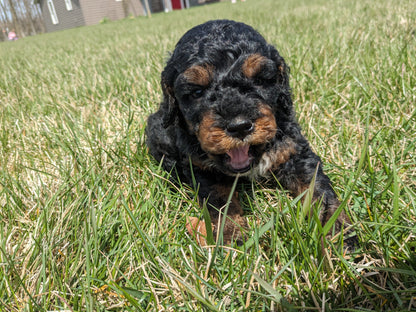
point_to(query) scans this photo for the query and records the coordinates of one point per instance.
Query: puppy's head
(227, 87)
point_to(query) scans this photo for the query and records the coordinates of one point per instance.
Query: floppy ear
(282, 69)
(284, 98)
(169, 105)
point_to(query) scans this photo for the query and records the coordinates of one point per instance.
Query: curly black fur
(223, 75)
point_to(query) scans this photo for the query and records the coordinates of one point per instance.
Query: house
(65, 14)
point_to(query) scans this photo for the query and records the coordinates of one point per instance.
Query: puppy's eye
(263, 71)
(197, 93)
(268, 73)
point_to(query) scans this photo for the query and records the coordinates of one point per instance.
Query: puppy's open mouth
(239, 158)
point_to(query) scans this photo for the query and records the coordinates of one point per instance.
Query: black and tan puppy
(227, 111)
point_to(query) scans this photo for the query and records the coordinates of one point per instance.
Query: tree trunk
(39, 19)
(15, 21)
(29, 17)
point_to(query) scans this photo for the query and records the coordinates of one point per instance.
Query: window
(68, 4)
(52, 11)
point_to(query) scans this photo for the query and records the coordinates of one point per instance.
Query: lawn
(88, 222)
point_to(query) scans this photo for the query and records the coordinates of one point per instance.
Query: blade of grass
(327, 227)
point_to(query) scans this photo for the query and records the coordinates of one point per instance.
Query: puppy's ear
(285, 95)
(169, 104)
(282, 69)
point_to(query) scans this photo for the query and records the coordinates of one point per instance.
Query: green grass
(89, 223)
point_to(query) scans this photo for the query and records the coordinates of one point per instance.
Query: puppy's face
(229, 108)
(229, 89)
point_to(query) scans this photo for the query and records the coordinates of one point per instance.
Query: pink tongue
(239, 157)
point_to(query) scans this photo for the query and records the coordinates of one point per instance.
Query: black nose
(240, 127)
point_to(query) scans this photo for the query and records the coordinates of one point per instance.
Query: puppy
(227, 111)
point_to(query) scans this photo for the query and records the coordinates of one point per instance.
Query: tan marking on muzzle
(265, 127)
(215, 140)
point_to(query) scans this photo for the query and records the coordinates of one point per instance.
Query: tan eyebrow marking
(199, 75)
(253, 64)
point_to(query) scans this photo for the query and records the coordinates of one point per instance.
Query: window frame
(68, 5)
(52, 12)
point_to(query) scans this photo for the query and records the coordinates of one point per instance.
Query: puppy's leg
(296, 176)
(217, 201)
(216, 195)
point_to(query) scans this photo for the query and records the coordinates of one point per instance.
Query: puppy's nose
(240, 127)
